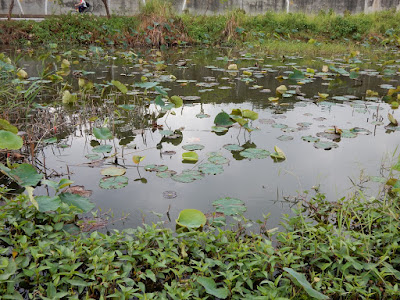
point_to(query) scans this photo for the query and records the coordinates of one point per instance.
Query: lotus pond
(161, 131)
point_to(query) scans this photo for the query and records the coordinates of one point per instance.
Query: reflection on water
(202, 79)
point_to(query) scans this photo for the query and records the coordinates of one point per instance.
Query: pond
(328, 119)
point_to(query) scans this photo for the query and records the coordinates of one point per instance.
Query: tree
(10, 9)
(106, 6)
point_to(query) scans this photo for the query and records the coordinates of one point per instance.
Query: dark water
(261, 183)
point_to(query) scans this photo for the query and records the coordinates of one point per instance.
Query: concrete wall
(131, 7)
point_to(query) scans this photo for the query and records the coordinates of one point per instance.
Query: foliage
(345, 249)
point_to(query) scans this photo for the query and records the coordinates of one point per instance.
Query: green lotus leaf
(102, 149)
(202, 116)
(223, 119)
(280, 126)
(5, 125)
(249, 114)
(166, 174)
(285, 138)
(191, 218)
(297, 75)
(166, 132)
(233, 147)
(255, 153)
(325, 145)
(187, 176)
(47, 203)
(93, 156)
(219, 129)
(23, 174)
(122, 87)
(229, 206)
(102, 133)
(10, 141)
(193, 147)
(210, 169)
(177, 101)
(156, 168)
(310, 139)
(117, 182)
(190, 156)
(77, 200)
(218, 159)
(113, 171)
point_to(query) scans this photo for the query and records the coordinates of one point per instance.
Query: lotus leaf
(297, 75)
(191, 218)
(166, 174)
(116, 182)
(223, 119)
(77, 200)
(137, 159)
(229, 206)
(233, 147)
(219, 129)
(255, 153)
(23, 174)
(193, 147)
(280, 126)
(325, 145)
(360, 130)
(392, 120)
(218, 159)
(46, 203)
(285, 138)
(202, 116)
(190, 156)
(122, 87)
(156, 168)
(102, 149)
(166, 132)
(281, 89)
(211, 169)
(177, 101)
(113, 171)
(10, 141)
(93, 156)
(188, 176)
(279, 154)
(5, 125)
(348, 134)
(249, 114)
(102, 133)
(310, 139)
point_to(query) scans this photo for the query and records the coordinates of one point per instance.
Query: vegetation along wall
(130, 7)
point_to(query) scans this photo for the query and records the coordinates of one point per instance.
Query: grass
(157, 25)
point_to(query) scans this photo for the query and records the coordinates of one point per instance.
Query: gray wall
(131, 7)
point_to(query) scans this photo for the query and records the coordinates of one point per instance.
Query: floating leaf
(191, 218)
(310, 139)
(232, 67)
(156, 168)
(122, 87)
(219, 129)
(102, 133)
(202, 116)
(77, 200)
(233, 147)
(296, 75)
(211, 169)
(255, 153)
(218, 159)
(229, 206)
(113, 171)
(187, 176)
(285, 138)
(190, 156)
(102, 149)
(302, 280)
(166, 132)
(223, 119)
(93, 156)
(166, 174)
(211, 288)
(10, 141)
(193, 147)
(79, 190)
(137, 159)
(325, 145)
(322, 95)
(116, 182)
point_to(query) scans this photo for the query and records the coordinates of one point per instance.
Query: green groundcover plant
(327, 250)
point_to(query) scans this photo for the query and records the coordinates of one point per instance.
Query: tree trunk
(106, 6)
(10, 9)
